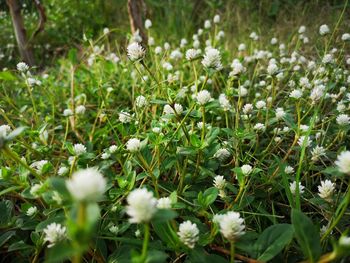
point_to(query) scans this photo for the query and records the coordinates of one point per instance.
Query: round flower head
(212, 59)
(343, 162)
(343, 119)
(54, 233)
(79, 149)
(219, 182)
(87, 185)
(231, 225)
(246, 169)
(222, 154)
(4, 130)
(141, 206)
(67, 112)
(133, 145)
(80, 110)
(135, 51)
(293, 188)
(188, 233)
(203, 97)
(22, 67)
(191, 54)
(324, 29)
(148, 23)
(164, 203)
(326, 189)
(140, 101)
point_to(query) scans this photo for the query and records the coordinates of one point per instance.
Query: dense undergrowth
(186, 151)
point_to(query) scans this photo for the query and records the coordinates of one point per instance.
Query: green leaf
(307, 235)
(195, 141)
(19, 246)
(163, 215)
(6, 208)
(60, 252)
(208, 197)
(6, 237)
(167, 234)
(7, 75)
(272, 241)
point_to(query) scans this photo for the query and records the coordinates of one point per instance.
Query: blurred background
(68, 20)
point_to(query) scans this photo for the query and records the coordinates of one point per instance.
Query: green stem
(18, 160)
(232, 252)
(145, 243)
(345, 204)
(203, 125)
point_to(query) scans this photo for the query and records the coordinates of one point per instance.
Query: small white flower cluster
(141, 206)
(231, 225)
(188, 233)
(54, 233)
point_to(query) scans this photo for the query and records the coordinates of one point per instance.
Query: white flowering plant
(187, 151)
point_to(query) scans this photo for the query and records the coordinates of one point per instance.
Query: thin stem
(232, 252)
(18, 160)
(145, 243)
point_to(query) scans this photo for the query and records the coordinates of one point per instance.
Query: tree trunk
(20, 32)
(135, 17)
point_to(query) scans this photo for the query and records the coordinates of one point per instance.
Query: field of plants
(193, 148)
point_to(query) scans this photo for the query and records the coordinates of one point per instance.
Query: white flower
(191, 54)
(254, 36)
(80, 110)
(343, 119)
(113, 148)
(259, 127)
(293, 187)
(105, 30)
(216, 19)
(188, 233)
(345, 37)
(207, 24)
(212, 59)
(32, 211)
(343, 162)
(105, 155)
(67, 112)
(302, 29)
(124, 117)
(246, 169)
(241, 47)
(176, 54)
(317, 152)
(304, 140)
(224, 102)
(247, 108)
(158, 50)
(280, 113)
(260, 104)
(324, 29)
(148, 23)
(86, 185)
(62, 170)
(242, 91)
(114, 229)
(326, 189)
(133, 145)
(203, 97)
(164, 203)
(79, 149)
(296, 94)
(289, 169)
(135, 51)
(54, 233)
(272, 68)
(222, 154)
(141, 206)
(39, 165)
(273, 41)
(219, 182)
(4, 130)
(231, 225)
(140, 101)
(22, 67)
